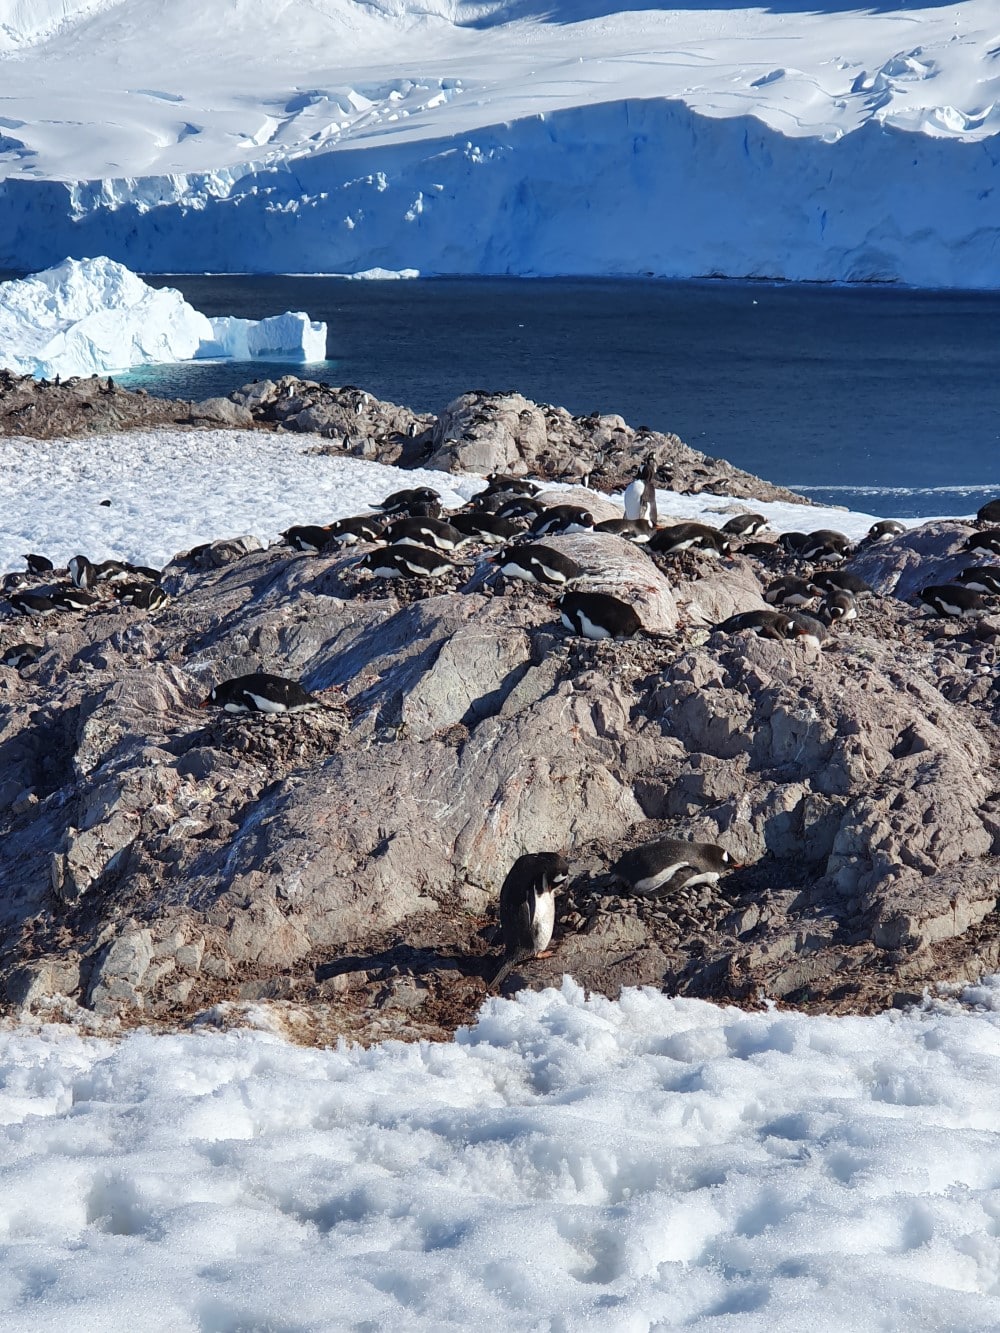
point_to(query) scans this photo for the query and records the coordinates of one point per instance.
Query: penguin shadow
(400, 960)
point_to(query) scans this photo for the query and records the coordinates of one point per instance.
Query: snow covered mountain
(832, 140)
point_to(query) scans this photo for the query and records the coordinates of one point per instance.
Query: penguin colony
(409, 537)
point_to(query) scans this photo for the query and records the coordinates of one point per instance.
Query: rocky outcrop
(157, 859)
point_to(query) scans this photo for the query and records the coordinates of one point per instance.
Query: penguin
(765, 624)
(307, 537)
(432, 532)
(73, 599)
(421, 509)
(987, 540)
(39, 564)
(404, 561)
(32, 604)
(351, 531)
(561, 519)
(598, 615)
(839, 605)
(744, 525)
(401, 500)
(110, 569)
(528, 909)
(841, 580)
(640, 494)
(681, 536)
(82, 572)
(791, 592)
(884, 530)
(502, 481)
(634, 529)
(808, 629)
(260, 692)
(792, 542)
(487, 528)
(981, 578)
(141, 571)
(521, 506)
(825, 544)
(12, 581)
(20, 655)
(989, 513)
(951, 599)
(143, 596)
(536, 563)
(673, 861)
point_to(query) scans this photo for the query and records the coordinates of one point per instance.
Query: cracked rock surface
(158, 859)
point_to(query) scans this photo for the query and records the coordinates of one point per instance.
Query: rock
(222, 412)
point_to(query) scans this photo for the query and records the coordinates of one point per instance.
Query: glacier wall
(629, 187)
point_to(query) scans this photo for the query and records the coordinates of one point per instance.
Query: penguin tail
(505, 970)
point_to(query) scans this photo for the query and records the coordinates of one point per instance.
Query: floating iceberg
(92, 316)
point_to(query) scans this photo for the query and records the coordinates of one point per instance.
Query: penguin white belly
(707, 877)
(653, 882)
(543, 920)
(265, 705)
(633, 499)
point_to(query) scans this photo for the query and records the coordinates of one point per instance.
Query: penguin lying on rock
(261, 692)
(672, 861)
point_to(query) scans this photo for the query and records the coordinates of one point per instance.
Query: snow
(171, 489)
(567, 1163)
(824, 141)
(92, 316)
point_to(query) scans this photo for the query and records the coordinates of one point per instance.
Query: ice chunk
(93, 316)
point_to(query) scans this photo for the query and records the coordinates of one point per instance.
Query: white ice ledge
(94, 316)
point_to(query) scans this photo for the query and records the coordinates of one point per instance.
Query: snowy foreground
(566, 1164)
(173, 489)
(820, 141)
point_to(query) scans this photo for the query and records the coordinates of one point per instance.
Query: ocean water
(872, 397)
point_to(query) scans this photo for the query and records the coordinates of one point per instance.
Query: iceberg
(94, 316)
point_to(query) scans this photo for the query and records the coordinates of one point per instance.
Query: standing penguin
(640, 494)
(528, 909)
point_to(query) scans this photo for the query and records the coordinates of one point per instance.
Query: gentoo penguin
(682, 536)
(598, 615)
(765, 624)
(12, 581)
(432, 532)
(951, 599)
(528, 909)
(791, 592)
(73, 599)
(841, 580)
(487, 528)
(989, 513)
(400, 501)
(110, 569)
(261, 692)
(32, 604)
(562, 518)
(744, 525)
(38, 564)
(310, 537)
(792, 542)
(351, 531)
(650, 868)
(502, 481)
(981, 578)
(82, 572)
(20, 655)
(825, 544)
(537, 563)
(640, 494)
(839, 605)
(404, 561)
(634, 529)
(987, 540)
(143, 596)
(884, 530)
(143, 572)
(520, 506)
(808, 629)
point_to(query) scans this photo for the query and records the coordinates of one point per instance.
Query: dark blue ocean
(877, 398)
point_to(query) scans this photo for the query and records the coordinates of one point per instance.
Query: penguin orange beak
(205, 703)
